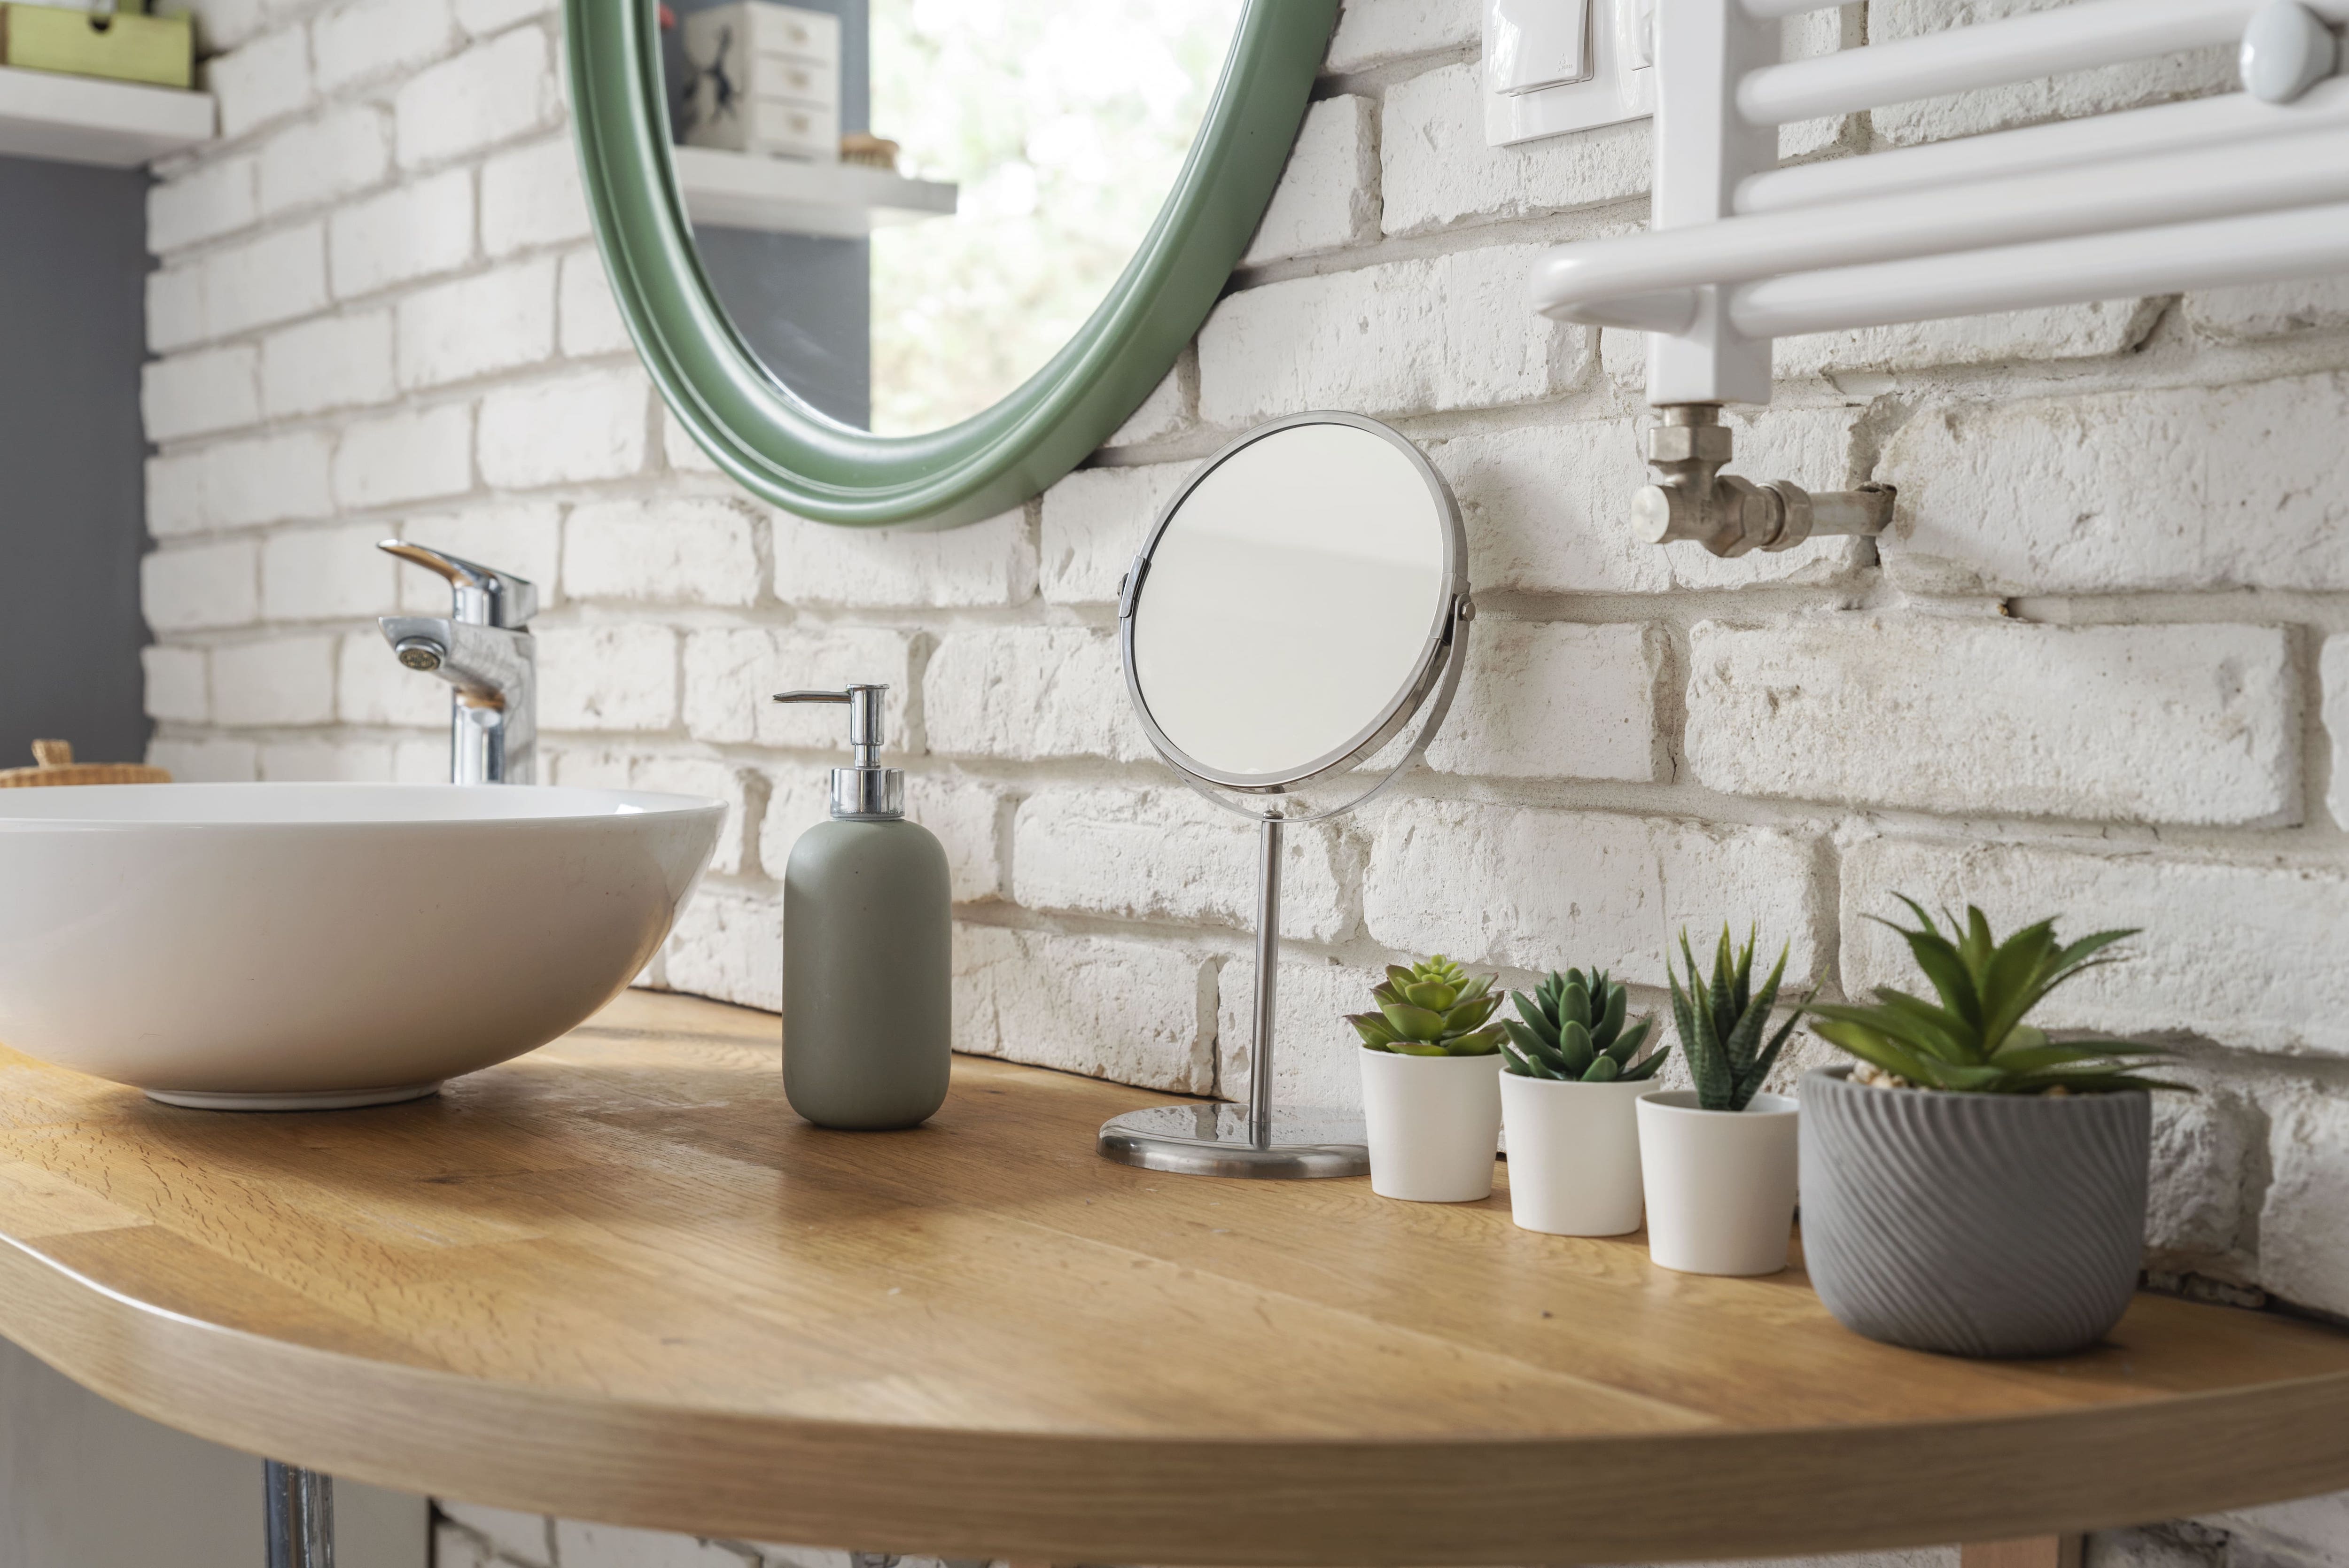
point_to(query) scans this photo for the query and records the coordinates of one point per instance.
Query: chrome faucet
(484, 650)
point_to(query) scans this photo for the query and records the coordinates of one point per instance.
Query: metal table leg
(301, 1512)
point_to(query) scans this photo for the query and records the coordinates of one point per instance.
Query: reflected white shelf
(88, 119)
(785, 196)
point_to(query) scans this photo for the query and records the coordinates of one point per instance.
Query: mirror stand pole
(1268, 979)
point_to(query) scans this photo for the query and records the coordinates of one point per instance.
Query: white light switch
(1535, 44)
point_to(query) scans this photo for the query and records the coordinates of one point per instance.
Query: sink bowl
(314, 946)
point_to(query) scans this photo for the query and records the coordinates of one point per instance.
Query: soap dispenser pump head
(866, 791)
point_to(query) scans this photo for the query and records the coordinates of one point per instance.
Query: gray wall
(72, 334)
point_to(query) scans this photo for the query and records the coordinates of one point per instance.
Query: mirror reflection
(1292, 603)
(907, 207)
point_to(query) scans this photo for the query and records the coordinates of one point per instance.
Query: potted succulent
(1431, 1089)
(1569, 1082)
(1972, 1186)
(1718, 1161)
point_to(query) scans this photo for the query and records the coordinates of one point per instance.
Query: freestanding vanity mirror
(1297, 605)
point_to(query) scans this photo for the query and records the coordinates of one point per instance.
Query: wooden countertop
(618, 1280)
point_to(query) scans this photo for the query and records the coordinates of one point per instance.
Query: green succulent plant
(1720, 1025)
(1431, 1009)
(1975, 1041)
(1572, 1030)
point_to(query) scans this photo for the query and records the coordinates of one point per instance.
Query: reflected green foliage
(1572, 1028)
(1431, 1009)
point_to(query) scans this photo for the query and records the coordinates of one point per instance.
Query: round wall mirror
(909, 259)
(1300, 600)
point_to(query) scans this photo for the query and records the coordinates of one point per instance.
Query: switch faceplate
(1555, 66)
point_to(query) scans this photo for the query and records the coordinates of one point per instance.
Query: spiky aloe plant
(1720, 1025)
(1572, 1030)
(1431, 1009)
(1976, 1041)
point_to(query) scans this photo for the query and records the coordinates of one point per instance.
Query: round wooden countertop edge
(1269, 1502)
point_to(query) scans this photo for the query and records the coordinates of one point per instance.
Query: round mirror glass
(1290, 608)
(907, 207)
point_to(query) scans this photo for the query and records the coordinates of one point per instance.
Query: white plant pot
(1434, 1125)
(1574, 1155)
(1720, 1183)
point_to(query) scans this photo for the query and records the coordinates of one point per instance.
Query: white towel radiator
(2247, 187)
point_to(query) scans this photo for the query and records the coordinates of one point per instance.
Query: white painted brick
(1441, 333)
(2140, 724)
(519, 538)
(178, 684)
(1314, 1049)
(261, 81)
(682, 551)
(203, 202)
(284, 680)
(2063, 332)
(2023, 103)
(175, 308)
(1329, 193)
(494, 321)
(202, 586)
(417, 229)
(1173, 404)
(2247, 954)
(591, 426)
(193, 394)
(332, 362)
(236, 484)
(1165, 854)
(422, 761)
(731, 676)
(1438, 169)
(1094, 521)
(987, 562)
(344, 150)
(371, 687)
(1118, 1010)
(222, 25)
(482, 17)
(377, 37)
(798, 798)
(2301, 1255)
(209, 760)
(1371, 32)
(491, 93)
(590, 315)
(607, 677)
(710, 778)
(314, 761)
(679, 450)
(454, 1548)
(533, 196)
(1539, 889)
(968, 818)
(2204, 1148)
(2312, 1530)
(405, 457)
(2335, 666)
(1027, 693)
(729, 945)
(266, 280)
(1548, 508)
(2185, 487)
(326, 574)
(609, 1546)
(2256, 311)
(1556, 701)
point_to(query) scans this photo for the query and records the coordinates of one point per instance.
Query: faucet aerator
(419, 654)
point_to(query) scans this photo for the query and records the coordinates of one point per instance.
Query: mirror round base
(1217, 1140)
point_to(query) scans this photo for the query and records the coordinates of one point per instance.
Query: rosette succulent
(1434, 1008)
(1572, 1030)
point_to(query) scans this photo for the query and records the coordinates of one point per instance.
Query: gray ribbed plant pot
(1973, 1224)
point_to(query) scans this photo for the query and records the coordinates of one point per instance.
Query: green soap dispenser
(867, 936)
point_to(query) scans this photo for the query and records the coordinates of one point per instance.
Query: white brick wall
(2096, 671)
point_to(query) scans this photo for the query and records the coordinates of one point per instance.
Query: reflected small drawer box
(766, 80)
(157, 50)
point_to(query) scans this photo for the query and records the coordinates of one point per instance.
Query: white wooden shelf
(87, 120)
(785, 196)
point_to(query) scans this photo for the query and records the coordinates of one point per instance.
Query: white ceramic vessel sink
(312, 946)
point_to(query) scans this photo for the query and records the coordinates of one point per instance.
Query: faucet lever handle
(486, 595)
(863, 716)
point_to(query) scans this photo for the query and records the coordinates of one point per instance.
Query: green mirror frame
(783, 449)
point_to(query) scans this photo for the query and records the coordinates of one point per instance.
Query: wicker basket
(54, 763)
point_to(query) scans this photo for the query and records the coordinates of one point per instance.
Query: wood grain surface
(618, 1280)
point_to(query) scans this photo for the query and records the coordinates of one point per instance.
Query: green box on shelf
(157, 50)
